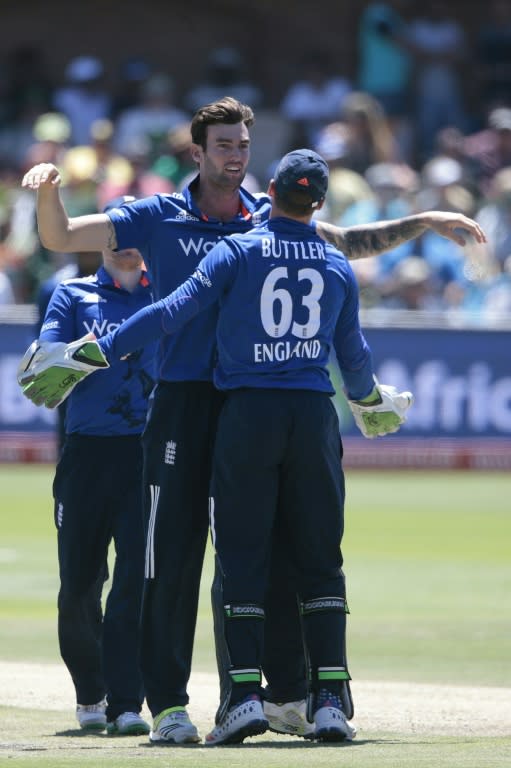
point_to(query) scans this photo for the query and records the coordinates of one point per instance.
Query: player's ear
(196, 152)
(271, 188)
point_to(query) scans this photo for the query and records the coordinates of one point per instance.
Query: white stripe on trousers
(212, 521)
(149, 547)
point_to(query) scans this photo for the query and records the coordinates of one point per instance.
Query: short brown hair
(228, 111)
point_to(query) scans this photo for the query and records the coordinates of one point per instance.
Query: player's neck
(217, 202)
(126, 278)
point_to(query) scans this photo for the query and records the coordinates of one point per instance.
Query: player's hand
(382, 412)
(449, 225)
(41, 175)
(49, 371)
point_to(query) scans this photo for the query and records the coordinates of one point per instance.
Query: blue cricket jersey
(286, 300)
(114, 402)
(173, 236)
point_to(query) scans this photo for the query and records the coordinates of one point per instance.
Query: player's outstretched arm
(57, 231)
(373, 239)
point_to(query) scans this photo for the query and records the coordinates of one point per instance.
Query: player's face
(224, 161)
(125, 260)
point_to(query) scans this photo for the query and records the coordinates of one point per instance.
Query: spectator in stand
(26, 82)
(495, 217)
(442, 189)
(385, 64)
(83, 97)
(133, 73)
(175, 164)
(315, 99)
(451, 142)
(438, 43)
(393, 186)
(345, 187)
(366, 131)
(52, 132)
(493, 54)
(410, 286)
(225, 75)
(490, 149)
(25, 93)
(141, 178)
(152, 118)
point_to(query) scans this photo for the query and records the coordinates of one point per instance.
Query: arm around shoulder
(372, 239)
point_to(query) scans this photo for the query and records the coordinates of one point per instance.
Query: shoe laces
(99, 707)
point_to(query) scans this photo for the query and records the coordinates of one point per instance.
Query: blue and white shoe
(331, 725)
(173, 726)
(244, 719)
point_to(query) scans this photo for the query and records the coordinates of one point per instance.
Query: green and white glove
(49, 371)
(381, 412)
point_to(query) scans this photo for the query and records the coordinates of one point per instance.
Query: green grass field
(427, 560)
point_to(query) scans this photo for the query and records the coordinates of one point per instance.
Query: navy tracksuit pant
(277, 470)
(98, 499)
(178, 447)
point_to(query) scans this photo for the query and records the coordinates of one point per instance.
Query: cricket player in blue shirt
(174, 232)
(98, 497)
(287, 300)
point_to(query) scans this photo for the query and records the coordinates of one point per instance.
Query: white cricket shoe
(92, 717)
(331, 725)
(289, 717)
(173, 726)
(128, 724)
(244, 719)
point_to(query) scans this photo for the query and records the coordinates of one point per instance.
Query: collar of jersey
(246, 208)
(282, 223)
(105, 279)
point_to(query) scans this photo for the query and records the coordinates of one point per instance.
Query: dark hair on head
(227, 111)
(295, 203)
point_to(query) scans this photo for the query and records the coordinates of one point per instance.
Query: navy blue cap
(302, 171)
(116, 202)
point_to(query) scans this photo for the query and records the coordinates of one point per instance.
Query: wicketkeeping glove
(49, 371)
(382, 411)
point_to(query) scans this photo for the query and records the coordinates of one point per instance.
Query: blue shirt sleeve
(211, 278)
(59, 320)
(351, 349)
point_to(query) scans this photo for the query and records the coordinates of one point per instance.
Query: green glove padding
(382, 411)
(49, 371)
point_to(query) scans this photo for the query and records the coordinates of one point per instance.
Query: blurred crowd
(401, 136)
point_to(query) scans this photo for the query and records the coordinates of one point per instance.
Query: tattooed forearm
(372, 239)
(333, 235)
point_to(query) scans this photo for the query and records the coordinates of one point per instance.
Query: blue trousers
(98, 499)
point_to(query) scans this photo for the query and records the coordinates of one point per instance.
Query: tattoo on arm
(333, 235)
(112, 237)
(371, 239)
